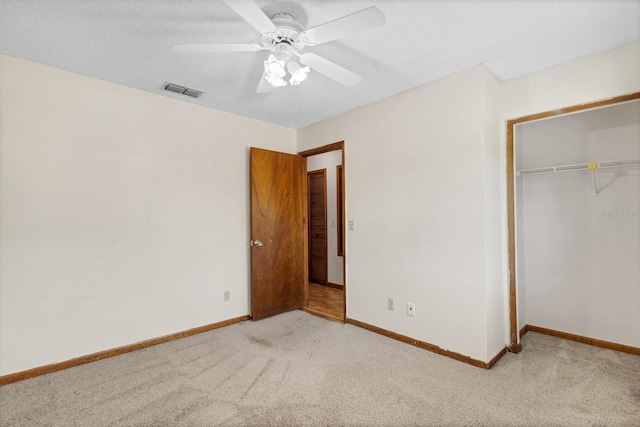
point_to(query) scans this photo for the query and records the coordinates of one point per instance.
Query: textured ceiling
(130, 43)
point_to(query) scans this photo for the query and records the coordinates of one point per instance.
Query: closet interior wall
(577, 251)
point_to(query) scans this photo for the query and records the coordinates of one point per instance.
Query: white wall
(581, 250)
(124, 215)
(606, 75)
(415, 189)
(329, 161)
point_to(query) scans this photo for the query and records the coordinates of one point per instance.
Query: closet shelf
(592, 166)
(580, 166)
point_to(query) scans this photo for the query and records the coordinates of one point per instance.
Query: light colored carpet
(297, 369)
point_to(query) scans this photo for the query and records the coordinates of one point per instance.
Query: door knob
(257, 243)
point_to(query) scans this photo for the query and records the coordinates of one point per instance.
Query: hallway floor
(326, 302)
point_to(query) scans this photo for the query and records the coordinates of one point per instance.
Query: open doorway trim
(326, 149)
(514, 344)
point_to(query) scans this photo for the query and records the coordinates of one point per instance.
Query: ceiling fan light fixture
(274, 71)
(276, 81)
(283, 51)
(298, 73)
(274, 67)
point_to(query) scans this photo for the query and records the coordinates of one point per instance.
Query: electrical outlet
(391, 304)
(411, 309)
(227, 295)
(352, 225)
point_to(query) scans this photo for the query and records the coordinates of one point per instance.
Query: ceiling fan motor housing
(285, 34)
(286, 20)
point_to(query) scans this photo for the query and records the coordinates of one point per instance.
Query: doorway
(325, 237)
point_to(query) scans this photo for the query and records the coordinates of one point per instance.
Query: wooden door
(317, 207)
(278, 232)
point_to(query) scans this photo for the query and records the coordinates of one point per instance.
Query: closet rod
(580, 166)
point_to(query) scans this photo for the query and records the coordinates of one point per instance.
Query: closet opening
(573, 192)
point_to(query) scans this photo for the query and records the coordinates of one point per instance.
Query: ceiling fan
(285, 38)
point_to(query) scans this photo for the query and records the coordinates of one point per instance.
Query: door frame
(515, 333)
(312, 152)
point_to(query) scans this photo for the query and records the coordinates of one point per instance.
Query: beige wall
(415, 170)
(495, 273)
(430, 211)
(124, 215)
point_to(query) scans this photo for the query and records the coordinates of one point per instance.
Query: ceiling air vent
(182, 90)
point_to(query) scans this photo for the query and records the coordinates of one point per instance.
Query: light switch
(352, 225)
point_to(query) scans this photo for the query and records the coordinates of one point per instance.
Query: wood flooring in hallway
(326, 302)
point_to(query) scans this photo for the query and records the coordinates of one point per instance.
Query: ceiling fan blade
(330, 69)
(253, 15)
(351, 24)
(210, 48)
(264, 86)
